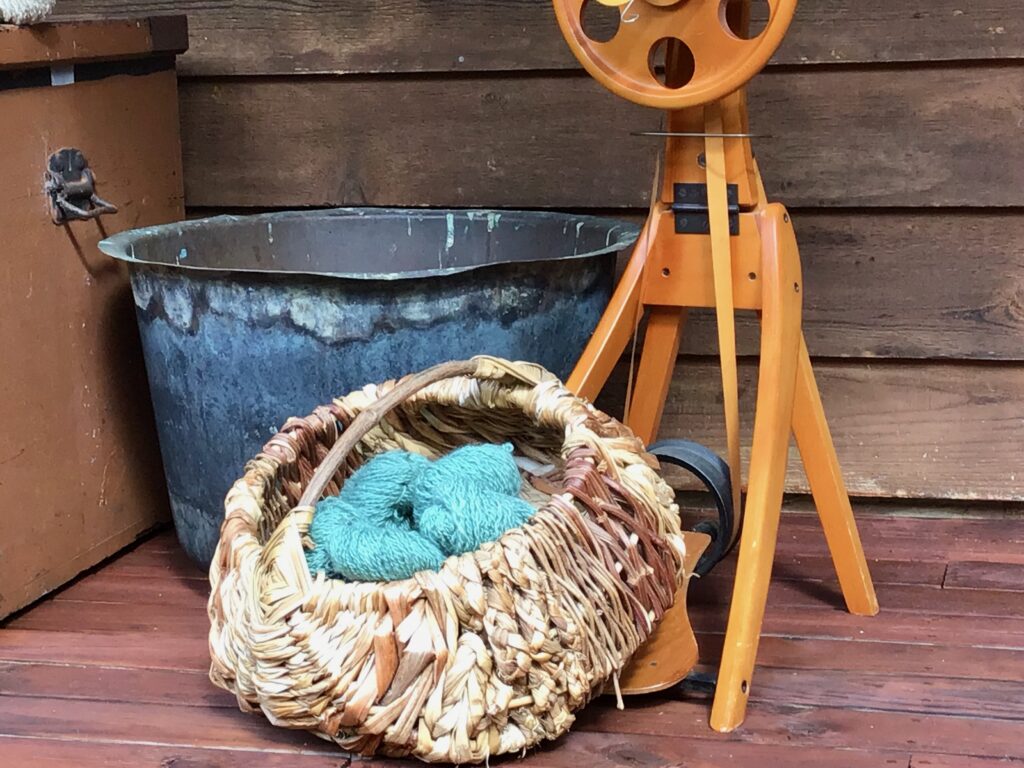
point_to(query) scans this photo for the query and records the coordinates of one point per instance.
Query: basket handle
(369, 418)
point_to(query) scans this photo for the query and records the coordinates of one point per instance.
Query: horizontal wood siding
(902, 430)
(838, 138)
(903, 284)
(892, 130)
(250, 37)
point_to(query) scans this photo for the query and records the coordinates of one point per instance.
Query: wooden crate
(80, 471)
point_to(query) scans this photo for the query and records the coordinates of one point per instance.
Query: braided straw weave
(497, 650)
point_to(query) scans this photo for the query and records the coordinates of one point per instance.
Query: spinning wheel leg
(780, 348)
(615, 328)
(657, 364)
(830, 497)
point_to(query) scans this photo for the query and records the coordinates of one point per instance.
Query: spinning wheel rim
(723, 62)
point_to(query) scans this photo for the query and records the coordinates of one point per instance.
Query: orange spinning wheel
(712, 240)
(719, 60)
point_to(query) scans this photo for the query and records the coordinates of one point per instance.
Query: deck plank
(900, 659)
(819, 726)
(998, 539)
(105, 721)
(980, 575)
(113, 670)
(962, 761)
(227, 729)
(146, 650)
(845, 688)
(62, 752)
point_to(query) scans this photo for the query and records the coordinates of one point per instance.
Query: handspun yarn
(401, 513)
(382, 489)
(486, 467)
(463, 520)
(367, 547)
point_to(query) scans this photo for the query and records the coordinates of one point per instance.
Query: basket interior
(426, 427)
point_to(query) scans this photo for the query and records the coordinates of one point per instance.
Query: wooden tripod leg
(826, 480)
(657, 364)
(616, 327)
(780, 347)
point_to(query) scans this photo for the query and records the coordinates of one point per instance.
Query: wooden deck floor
(112, 670)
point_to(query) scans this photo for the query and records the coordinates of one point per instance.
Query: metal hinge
(690, 205)
(71, 186)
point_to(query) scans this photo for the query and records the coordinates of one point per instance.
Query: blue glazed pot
(246, 321)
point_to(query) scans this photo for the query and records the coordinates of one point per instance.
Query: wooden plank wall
(895, 138)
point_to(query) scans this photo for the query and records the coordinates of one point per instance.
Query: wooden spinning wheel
(719, 61)
(712, 239)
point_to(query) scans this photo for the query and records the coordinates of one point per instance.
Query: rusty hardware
(72, 188)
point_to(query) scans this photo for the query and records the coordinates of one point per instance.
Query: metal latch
(690, 205)
(72, 188)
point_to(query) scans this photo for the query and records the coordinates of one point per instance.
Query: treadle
(671, 652)
(700, 683)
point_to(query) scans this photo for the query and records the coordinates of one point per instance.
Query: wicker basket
(496, 651)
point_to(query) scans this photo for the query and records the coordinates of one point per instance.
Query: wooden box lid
(70, 42)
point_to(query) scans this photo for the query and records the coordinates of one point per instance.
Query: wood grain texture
(184, 650)
(63, 752)
(204, 727)
(901, 430)
(69, 337)
(831, 689)
(819, 568)
(917, 137)
(225, 729)
(948, 537)
(905, 598)
(901, 284)
(188, 688)
(158, 619)
(845, 688)
(962, 761)
(866, 655)
(975, 575)
(888, 626)
(929, 696)
(109, 40)
(242, 37)
(821, 726)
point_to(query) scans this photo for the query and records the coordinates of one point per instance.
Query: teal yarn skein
(469, 497)
(383, 487)
(487, 467)
(360, 547)
(461, 522)
(401, 513)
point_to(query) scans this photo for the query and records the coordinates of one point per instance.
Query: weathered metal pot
(246, 321)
